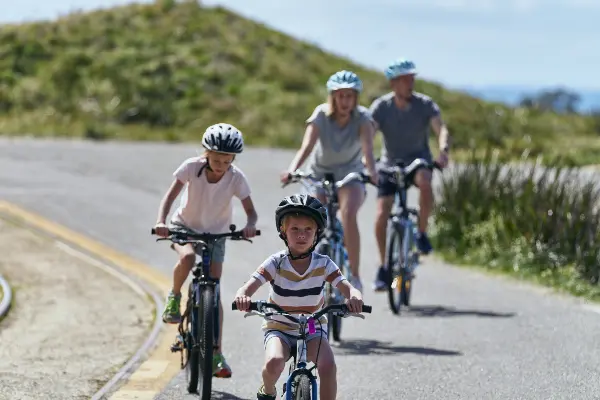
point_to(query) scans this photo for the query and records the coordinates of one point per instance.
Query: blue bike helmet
(344, 80)
(400, 67)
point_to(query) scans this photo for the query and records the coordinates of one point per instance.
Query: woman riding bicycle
(340, 131)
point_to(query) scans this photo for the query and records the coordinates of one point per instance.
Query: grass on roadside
(166, 70)
(538, 224)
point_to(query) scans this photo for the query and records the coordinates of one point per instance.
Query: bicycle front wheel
(206, 320)
(394, 272)
(302, 387)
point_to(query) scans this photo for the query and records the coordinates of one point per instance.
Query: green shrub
(524, 218)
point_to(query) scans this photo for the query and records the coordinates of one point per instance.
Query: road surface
(468, 336)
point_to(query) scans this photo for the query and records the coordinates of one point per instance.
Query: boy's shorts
(290, 340)
(216, 250)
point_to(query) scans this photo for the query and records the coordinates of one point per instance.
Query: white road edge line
(6, 300)
(143, 290)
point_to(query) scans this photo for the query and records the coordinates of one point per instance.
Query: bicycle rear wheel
(334, 324)
(192, 351)
(394, 272)
(206, 321)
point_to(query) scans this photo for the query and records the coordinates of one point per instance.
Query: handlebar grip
(253, 306)
(153, 231)
(367, 309)
(258, 232)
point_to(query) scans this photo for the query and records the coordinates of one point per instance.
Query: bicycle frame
(299, 367)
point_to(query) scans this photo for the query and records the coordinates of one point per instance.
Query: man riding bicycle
(404, 118)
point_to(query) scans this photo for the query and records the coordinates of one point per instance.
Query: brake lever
(251, 313)
(355, 315)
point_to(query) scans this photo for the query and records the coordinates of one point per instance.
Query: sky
(460, 43)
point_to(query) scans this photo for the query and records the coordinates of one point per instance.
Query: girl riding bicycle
(297, 277)
(340, 131)
(211, 182)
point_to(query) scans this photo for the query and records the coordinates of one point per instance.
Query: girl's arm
(250, 211)
(367, 131)
(167, 200)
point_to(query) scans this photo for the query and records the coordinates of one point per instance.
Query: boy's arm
(249, 287)
(347, 290)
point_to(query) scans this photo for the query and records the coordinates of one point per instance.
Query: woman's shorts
(216, 250)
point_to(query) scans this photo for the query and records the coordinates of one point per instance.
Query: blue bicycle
(301, 383)
(332, 243)
(402, 252)
(199, 327)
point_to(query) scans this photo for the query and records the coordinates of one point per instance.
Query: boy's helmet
(223, 138)
(301, 204)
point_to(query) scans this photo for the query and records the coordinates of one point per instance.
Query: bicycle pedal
(176, 347)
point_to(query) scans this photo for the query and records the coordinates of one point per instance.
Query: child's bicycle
(402, 253)
(300, 384)
(199, 327)
(332, 244)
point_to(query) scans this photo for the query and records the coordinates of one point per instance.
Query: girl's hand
(161, 229)
(249, 231)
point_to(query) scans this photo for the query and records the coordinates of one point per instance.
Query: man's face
(403, 85)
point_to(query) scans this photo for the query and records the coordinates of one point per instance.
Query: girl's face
(345, 101)
(300, 232)
(219, 162)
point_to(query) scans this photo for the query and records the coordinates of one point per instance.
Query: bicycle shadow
(226, 396)
(370, 347)
(441, 311)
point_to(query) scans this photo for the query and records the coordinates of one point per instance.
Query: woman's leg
(351, 198)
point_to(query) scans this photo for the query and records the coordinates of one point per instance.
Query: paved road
(468, 336)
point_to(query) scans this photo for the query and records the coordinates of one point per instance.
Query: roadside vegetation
(165, 71)
(535, 223)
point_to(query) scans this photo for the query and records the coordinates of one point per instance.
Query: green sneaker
(220, 367)
(171, 314)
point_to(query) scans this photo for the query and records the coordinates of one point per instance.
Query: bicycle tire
(192, 353)
(302, 389)
(336, 322)
(207, 341)
(393, 271)
(325, 249)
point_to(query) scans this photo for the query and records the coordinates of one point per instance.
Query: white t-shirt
(207, 207)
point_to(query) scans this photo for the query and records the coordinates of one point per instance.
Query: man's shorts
(290, 340)
(216, 249)
(386, 182)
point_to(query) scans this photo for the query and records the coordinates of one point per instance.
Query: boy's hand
(242, 302)
(355, 302)
(249, 231)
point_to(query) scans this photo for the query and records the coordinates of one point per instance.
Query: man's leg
(422, 180)
(385, 200)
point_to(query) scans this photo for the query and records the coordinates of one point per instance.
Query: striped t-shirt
(296, 293)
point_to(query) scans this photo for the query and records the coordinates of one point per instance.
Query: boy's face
(300, 232)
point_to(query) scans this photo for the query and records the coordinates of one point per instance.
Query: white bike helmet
(223, 138)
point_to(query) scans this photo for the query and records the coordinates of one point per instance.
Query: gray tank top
(338, 149)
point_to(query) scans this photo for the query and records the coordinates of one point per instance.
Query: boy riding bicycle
(297, 276)
(211, 182)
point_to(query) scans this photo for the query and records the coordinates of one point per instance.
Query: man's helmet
(223, 138)
(344, 80)
(400, 67)
(303, 204)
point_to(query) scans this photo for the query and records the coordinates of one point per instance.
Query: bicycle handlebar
(261, 307)
(400, 166)
(185, 236)
(296, 176)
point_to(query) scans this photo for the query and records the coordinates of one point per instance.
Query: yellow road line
(161, 366)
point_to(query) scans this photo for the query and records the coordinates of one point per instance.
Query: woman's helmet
(344, 80)
(400, 67)
(223, 138)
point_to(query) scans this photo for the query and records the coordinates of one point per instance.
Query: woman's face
(219, 162)
(300, 232)
(345, 101)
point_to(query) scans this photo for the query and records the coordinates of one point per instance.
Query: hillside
(166, 71)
